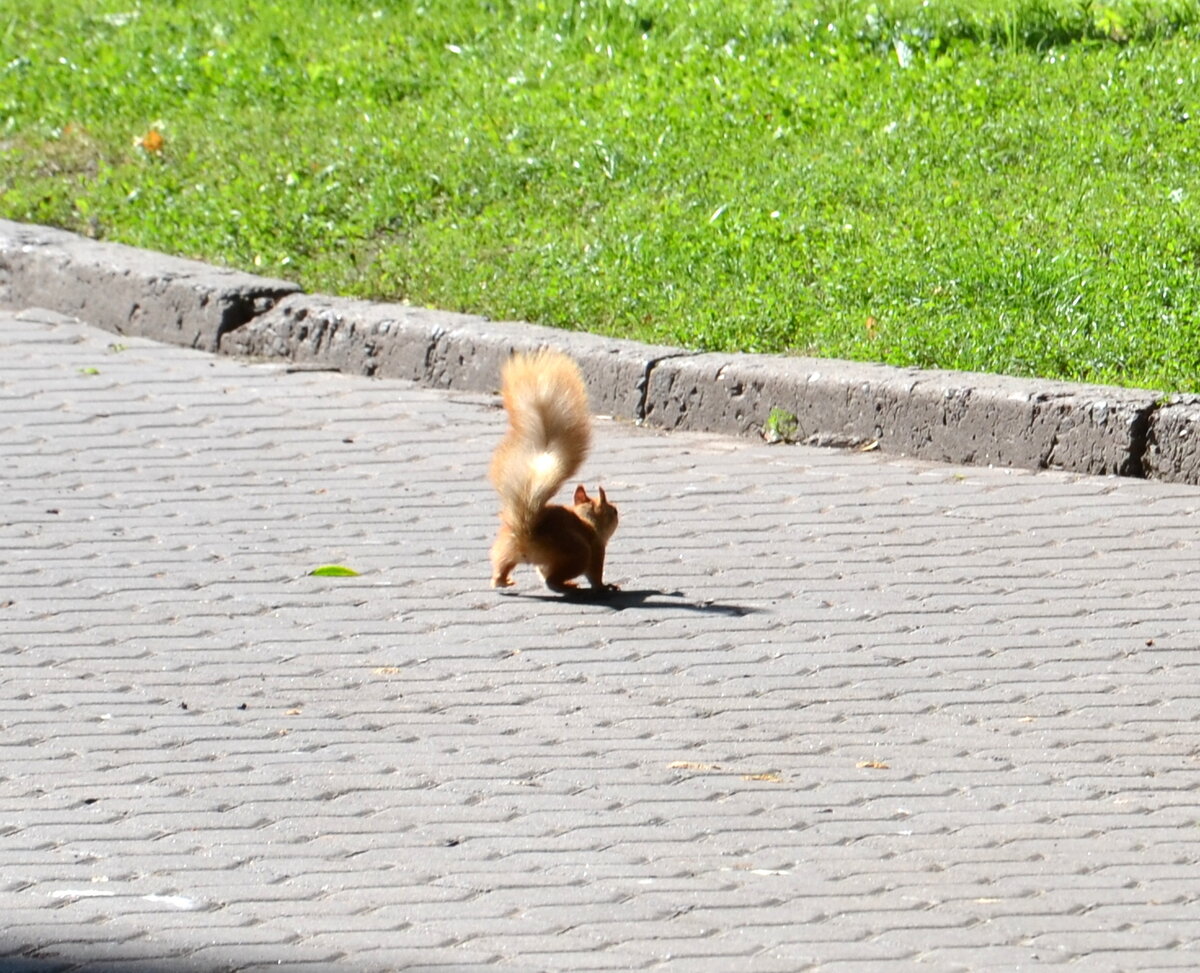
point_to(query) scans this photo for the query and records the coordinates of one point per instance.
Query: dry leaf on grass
(152, 142)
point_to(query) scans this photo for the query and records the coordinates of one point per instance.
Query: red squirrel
(549, 433)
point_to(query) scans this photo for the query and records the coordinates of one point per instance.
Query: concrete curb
(954, 417)
(127, 290)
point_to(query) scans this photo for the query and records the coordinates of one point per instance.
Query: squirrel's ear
(603, 498)
(581, 494)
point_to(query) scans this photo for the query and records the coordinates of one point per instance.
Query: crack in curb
(643, 384)
(1139, 442)
(240, 311)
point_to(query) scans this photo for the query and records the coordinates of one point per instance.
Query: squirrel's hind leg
(505, 558)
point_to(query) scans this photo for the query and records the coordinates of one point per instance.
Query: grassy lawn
(1009, 187)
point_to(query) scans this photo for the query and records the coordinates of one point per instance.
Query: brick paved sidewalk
(850, 714)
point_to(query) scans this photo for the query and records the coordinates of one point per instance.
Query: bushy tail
(548, 437)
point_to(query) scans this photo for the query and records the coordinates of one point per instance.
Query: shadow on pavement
(78, 960)
(649, 599)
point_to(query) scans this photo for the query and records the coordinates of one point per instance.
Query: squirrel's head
(597, 511)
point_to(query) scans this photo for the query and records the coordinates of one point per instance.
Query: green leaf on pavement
(333, 571)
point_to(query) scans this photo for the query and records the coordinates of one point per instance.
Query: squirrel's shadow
(646, 598)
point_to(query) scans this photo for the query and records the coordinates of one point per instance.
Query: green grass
(1010, 187)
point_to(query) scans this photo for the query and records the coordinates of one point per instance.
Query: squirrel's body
(550, 430)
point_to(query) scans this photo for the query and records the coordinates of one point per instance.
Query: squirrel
(549, 433)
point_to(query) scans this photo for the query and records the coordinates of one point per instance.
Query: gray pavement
(852, 712)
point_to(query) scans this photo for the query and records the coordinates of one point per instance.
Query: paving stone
(850, 711)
